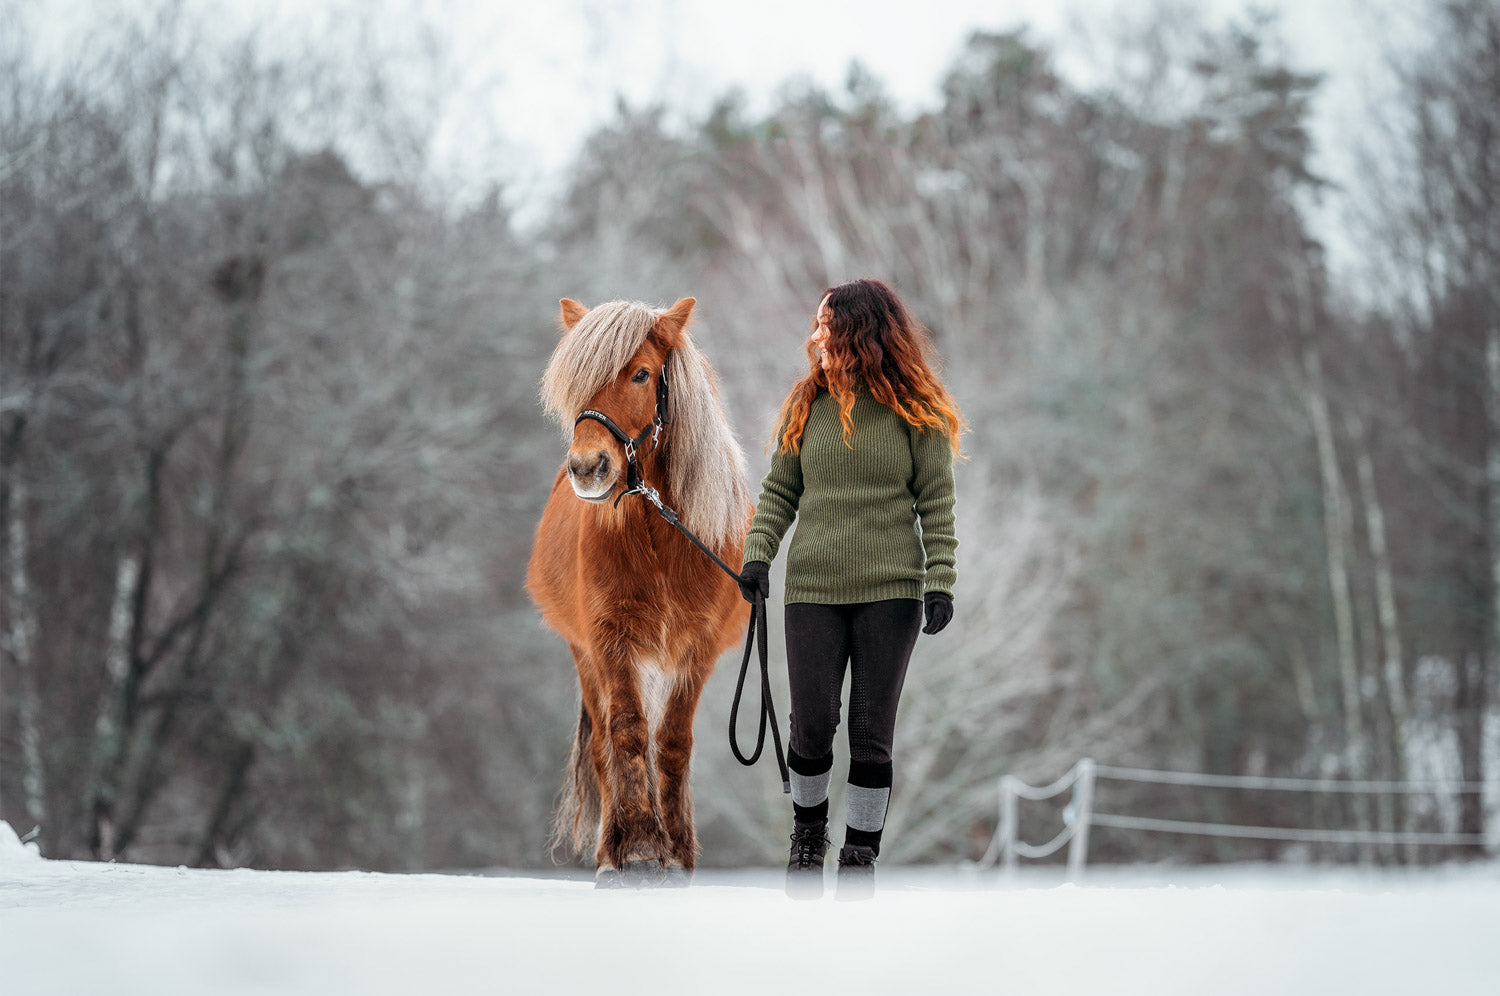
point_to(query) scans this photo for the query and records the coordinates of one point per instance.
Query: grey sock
(865, 807)
(810, 790)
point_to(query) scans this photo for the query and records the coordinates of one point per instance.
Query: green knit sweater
(859, 509)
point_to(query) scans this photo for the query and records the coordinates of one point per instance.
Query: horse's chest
(655, 685)
(657, 572)
(658, 601)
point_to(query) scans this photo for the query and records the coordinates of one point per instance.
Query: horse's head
(597, 464)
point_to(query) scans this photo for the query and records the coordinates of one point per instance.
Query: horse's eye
(641, 376)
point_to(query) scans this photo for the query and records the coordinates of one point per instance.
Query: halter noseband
(634, 482)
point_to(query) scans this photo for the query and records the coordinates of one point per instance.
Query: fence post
(1083, 813)
(1008, 824)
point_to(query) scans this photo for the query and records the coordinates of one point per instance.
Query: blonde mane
(705, 464)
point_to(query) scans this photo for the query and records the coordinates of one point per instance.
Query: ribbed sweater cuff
(758, 549)
(941, 579)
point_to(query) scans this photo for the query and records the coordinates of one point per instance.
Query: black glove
(755, 577)
(939, 611)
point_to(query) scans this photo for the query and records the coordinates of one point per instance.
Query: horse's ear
(674, 320)
(572, 311)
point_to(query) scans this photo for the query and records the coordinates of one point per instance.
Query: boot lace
(809, 845)
(856, 856)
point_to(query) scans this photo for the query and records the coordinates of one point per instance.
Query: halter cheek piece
(634, 482)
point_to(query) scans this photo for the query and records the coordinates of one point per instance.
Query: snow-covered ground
(79, 927)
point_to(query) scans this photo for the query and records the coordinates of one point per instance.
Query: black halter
(634, 482)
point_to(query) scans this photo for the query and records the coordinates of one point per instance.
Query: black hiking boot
(804, 867)
(856, 872)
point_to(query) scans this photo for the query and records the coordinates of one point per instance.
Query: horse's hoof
(647, 873)
(644, 874)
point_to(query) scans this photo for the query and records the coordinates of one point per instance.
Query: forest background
(271, 455)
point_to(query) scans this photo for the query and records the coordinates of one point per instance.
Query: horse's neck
(654, 472)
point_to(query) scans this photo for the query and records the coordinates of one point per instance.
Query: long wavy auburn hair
(872, 337)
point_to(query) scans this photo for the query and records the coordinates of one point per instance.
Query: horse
(645, 614)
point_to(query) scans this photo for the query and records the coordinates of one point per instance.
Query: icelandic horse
(645, 614)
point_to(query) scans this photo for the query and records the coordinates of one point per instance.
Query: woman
(864, 453)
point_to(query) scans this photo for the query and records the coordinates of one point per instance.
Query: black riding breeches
(875, 639)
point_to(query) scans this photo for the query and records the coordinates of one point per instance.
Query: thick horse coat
(645, 614)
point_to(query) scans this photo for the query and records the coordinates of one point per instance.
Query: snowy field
(79, 927)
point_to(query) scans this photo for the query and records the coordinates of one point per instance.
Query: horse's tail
(575, 824)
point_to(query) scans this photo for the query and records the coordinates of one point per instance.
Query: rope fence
(1281, 833)
(1006, 846)
(1283, 784)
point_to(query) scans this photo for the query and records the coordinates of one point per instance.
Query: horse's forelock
(590, 355)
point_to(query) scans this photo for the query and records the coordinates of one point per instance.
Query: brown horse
(645, 614)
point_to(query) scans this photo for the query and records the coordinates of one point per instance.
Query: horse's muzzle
(592, 479)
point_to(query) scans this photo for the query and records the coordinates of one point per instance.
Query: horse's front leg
(674, 754)
(632, 841)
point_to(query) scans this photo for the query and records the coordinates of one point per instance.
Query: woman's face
(820, 332)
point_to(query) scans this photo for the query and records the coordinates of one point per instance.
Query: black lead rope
(755, 634)
(757, 631)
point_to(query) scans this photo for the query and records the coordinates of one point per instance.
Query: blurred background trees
(272, 457)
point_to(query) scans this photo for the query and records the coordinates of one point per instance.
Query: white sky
(552, 71)
(549, 70)
(550, 77)
(528, 79)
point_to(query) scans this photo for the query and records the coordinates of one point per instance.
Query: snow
(81, 927)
